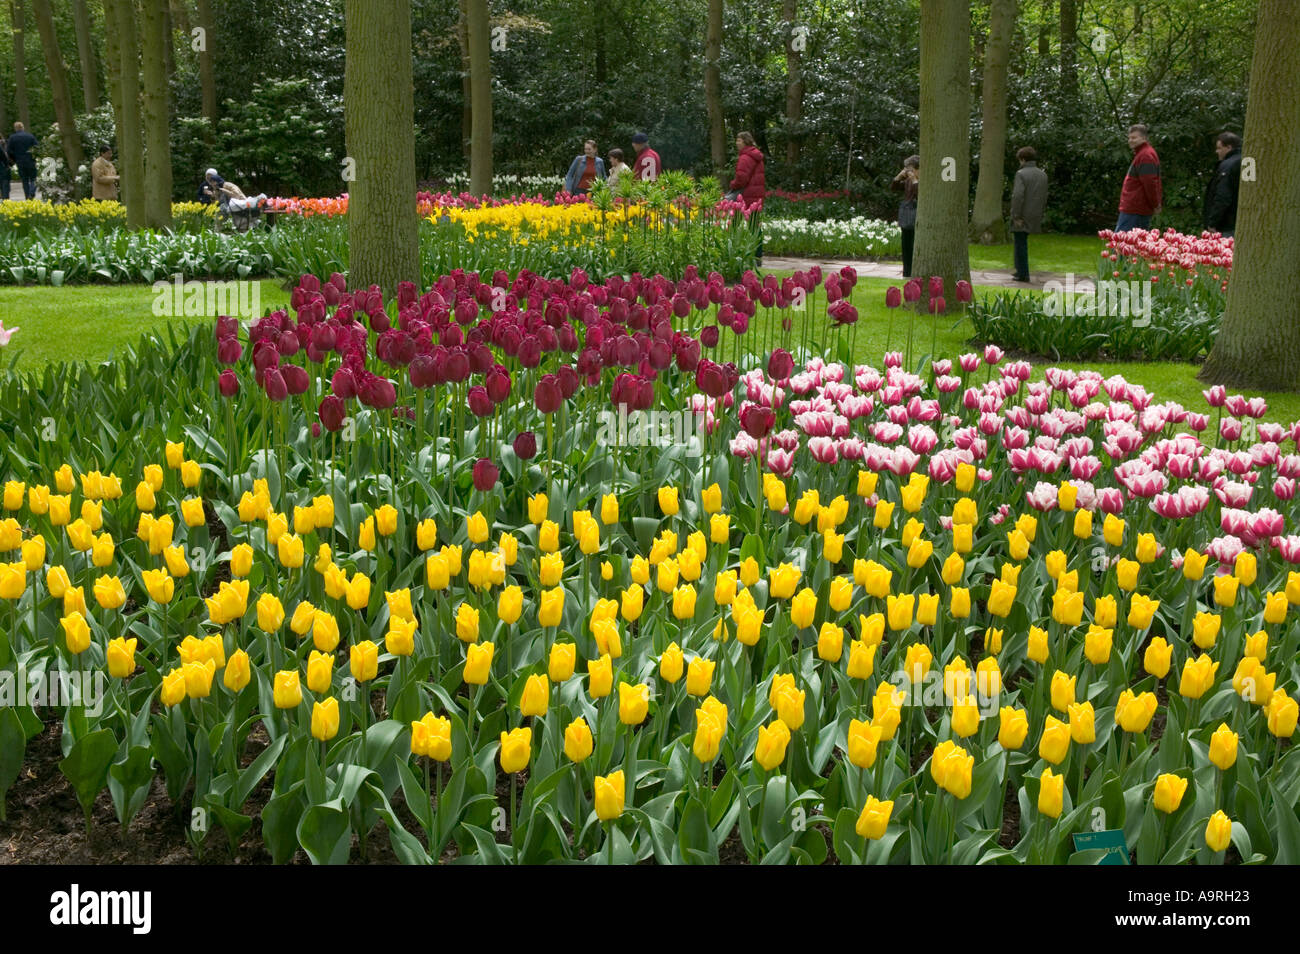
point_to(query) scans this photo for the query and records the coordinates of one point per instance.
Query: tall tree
(120, 20)
(17, 16)
(794, 88)
(379, 116)
(63, 112)
(467, 94)
(207, 69)
(113, 69)
(479, 38)
(1260, 307)
(1069, 30)
(86, 55)
(987, 224)
(157, 138)
(945, 144)
(713, 85)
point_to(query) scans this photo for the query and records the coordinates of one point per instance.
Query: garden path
(894, 270)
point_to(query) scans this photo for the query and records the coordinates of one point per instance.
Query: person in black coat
(20, 147)
(1221, 194)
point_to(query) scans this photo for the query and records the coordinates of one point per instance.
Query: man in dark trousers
(20, 147)
(1221, 195)
(1140, 197)
(1028, 202)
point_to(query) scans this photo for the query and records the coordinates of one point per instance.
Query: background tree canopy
(563, 70)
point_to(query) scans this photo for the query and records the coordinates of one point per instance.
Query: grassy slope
(88, 322)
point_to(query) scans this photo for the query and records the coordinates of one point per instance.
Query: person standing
(1221, 195)
(20, 148)
(1140, 198)
(103, 177)
(1028, 202)
(750, 184)
(648, 165)
(584, 170)
(908, 182)
(617, 168)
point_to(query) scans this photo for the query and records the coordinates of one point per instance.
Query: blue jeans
(1128, 222)
(1021, 242)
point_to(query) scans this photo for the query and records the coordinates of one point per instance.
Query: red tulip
(274, 383)
(480, 404)
(893, 297)
(964, 293)
(547, 394)
(332, 411)
(228, 383)
(780, 365)
(485, 475)
(525, 445)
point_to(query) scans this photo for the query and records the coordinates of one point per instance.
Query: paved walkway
(894, 270)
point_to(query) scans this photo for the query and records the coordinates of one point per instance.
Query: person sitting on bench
(228, 195)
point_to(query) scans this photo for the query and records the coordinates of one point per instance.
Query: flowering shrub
(877, 603)
(852, 238)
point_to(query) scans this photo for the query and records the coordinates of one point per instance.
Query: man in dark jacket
(20, 147)
(1140, 198)
(1221, 195)
(1028, 202)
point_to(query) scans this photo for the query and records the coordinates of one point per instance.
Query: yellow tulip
(1168, 793)
(608, 795)
(363, 659)
(516, 750)
(536, 696)
(325, 719)
(633, 703)
(1051, 793)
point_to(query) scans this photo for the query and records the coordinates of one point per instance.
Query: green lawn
(90, 322)
(1047, 253)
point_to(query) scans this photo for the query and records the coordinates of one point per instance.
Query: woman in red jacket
(750, 184)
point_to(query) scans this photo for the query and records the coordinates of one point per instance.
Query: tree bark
(113, 69)
(379, 120)
(945, 144)
(86, 55)
(480, 83)
(713, 86)
(987, 223)
(794, 88)
(18, 14)
(1069, 29)
(467, 94)
(1258, 345)
(157, 138)
(63, 112)
(169, 54)
(120, 21)
(207, 69)
(1045, 30)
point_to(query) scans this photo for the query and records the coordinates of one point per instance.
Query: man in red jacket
(647, 164)
(750, 183)
(1140, 198)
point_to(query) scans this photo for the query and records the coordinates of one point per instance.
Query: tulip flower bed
(857, 237)
(34, 215)
(1155, 297)
(858, 613)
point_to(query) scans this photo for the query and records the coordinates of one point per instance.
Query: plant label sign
(1112, 840)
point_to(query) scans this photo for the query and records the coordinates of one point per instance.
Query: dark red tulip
(525, 445)
(229, 350)
(709, 336)
(893, 296)
(296, 378)
(937, 305)
(547, 395)
(333, 409)
(498, 384)
(757, 420)
(274, 383)
(711, 379)
(912, 290)
(485, 475)
(480, 404)
(963, 291)
(228, 383)
(780, 365)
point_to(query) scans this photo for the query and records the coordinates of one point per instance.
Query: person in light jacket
(103, 177)
(1028, 203)
(584, 170)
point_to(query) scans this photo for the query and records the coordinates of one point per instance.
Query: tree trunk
(1258, 345)
(120, 20)
(713, 86)
(169, 54)
(1069, 23)
(602, 60)
(945, 144)
(987, 223)
(86, 55)
(207, 69)
(63, 112)
(466, 94)
(157, 139)
(379, 116)
(181, 18)
(113, 69)
(1045, 30)
(18, 13)
(793, 85)
(480, 85)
